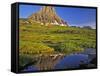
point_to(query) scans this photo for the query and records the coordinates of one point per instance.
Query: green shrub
(35, 48)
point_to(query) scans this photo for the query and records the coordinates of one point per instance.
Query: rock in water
(47, 16)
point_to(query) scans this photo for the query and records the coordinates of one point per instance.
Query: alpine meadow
(49, 42)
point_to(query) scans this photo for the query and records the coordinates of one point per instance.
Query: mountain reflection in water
(80, 60)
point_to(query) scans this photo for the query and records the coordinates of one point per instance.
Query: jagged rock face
(47, 15)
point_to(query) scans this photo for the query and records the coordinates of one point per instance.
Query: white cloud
(92, 24)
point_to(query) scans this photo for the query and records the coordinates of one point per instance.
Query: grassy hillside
(40, 39)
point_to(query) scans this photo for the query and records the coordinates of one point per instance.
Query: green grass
(36, 39)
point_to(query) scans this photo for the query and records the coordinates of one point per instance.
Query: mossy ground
(41, 39)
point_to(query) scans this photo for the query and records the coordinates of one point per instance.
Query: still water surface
(64, 62)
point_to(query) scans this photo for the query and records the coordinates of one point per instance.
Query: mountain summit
(46, 16)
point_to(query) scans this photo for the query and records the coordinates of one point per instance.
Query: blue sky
(72, 15)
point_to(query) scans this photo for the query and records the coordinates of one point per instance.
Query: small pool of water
(67, 62)
(72, 61)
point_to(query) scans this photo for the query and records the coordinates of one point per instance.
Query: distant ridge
(46, 16)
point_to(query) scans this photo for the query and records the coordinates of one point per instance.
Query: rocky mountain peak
(47, 15)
